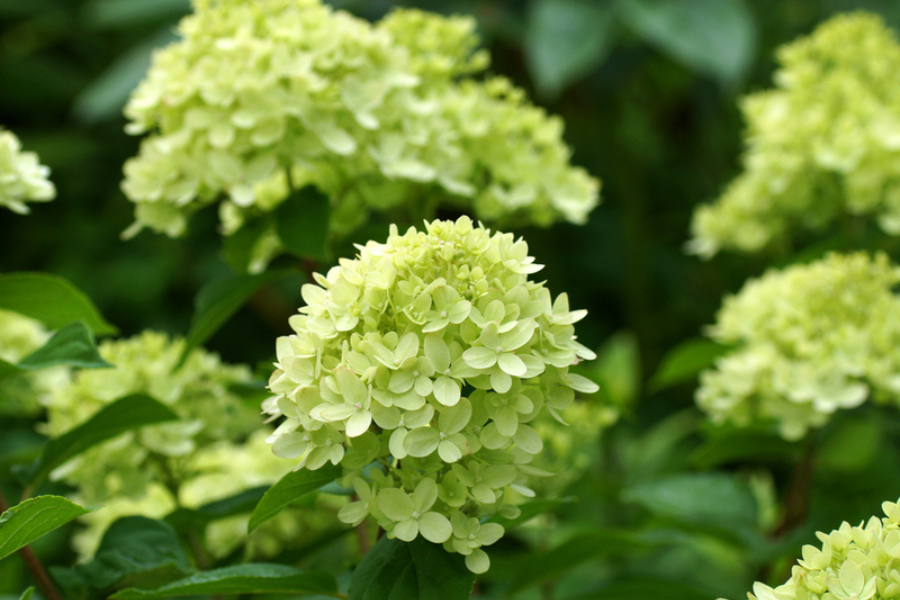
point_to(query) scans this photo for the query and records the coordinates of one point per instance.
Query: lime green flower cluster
(264, 96)
(428, 355)
(822, 144)
(212, 473)
(811, 339)
(22, 177)
(198, 392)
(854, 563)
(19, 337)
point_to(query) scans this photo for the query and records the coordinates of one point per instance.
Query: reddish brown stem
(33, 563)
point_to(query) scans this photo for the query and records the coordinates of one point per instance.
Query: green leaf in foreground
(684, 362)
(50, 299)
(28, 521)
(27, 594)
(122, 415)
(418, 570)
(218, 300)
(73, 345)
(135, 551)
(302, 223)
(241, 579)
(289, 489)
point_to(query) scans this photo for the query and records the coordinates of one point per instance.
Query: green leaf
(697, 498)
(73, 345)
(120, 14)
(533, 567)
(565, 40)
(241, 579)
(617, 369)
(123, 415)
(713, 37)
(218, 300)
(240, 503)
(630, 589)
(8, 370)
(685, 361)
(135, 551)
(418, 570)
(106, 96)
(238, 249)
(289, 489)
(27, 594)
(26, 522)
(747, 446)
(302, 223)
(50, 299)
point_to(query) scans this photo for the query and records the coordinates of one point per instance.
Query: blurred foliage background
(648, 90)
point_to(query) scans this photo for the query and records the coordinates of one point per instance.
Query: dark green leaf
(302, 223)
(713, 37)
(697, 498)
(240, 579)
(646, 588)
(8, 370)
(418, 570)
(26, 522)
(122, 415)
(289, 489)
(533, 567)
(73, 345)
(851, 444)
(119, 14)
(105, 97)
(735, 445)
(685, 361)
(565, 40)
(51, 300)
(135, 551)
(239, 249)
(240, 503)
(218, 300)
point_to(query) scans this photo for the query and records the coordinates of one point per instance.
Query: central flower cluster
(428, 356)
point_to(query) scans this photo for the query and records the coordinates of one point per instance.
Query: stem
(33, 563)
(796, 497)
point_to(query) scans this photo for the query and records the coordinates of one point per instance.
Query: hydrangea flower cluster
(198, 392)
(212, 473)
(22, 177)
(854, 563)
(19, 337)
(811, 339)
(264, 96)
(823, 143)
(428, 355)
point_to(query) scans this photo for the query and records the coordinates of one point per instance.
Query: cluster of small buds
(854, 563)
(22, 177)
(260, 97)
(198, 392)
(428, 355)
(823, 144)
(811, 339)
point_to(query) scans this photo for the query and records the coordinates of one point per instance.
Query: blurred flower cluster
(823, 144)
(22, 177)
(264, 97)
(214, 450)
(809, 340)
(22, 394)
(854, 563)
(428, 355)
